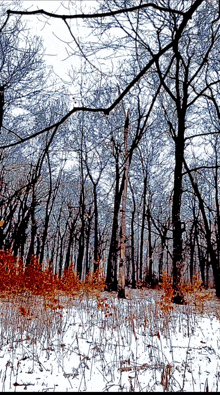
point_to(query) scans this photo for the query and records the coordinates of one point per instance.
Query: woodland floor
(101, 343)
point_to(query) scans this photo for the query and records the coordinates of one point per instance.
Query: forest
(117, 171)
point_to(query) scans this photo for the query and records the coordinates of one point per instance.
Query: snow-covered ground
(108, 345)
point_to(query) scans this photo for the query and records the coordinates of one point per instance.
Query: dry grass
(38, 308)
(31, 291)
(24, 285)
(126, 341)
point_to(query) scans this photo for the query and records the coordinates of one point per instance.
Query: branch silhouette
(96, 15)
(155, 57)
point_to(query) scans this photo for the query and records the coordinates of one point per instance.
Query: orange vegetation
(193, 293)
(16, 279)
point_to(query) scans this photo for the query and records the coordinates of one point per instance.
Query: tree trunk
(70, 243)
(111, 278)
(1, 105)
(210, 250)
(163, 243)
(96, 241)
(192, 242)
(82, 234)
(201, 260)
(88, 230)
(33, 227)
(217, 208)
(121, 275)
(61, 256)
(192, 237)
(132, 246)
(176, 213)
(150, 251)
(142, 226)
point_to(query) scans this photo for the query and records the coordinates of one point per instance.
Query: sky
(54, 33)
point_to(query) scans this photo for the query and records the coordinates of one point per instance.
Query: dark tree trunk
(210, 250)
(19, 235)
(192, 238)
(150, 250)
(142, 227)
(176, 212)
(96, 241)
(202, 260)
(111, 278)
(122, 263)
(132, 248)
(88, 230)
(87, 263)
(192, 242)
(44, 238)
(6, 240)
(61, 257)
(1, 105)
(217, 209)
(49, 205)
(22, 235)
(33, 227)
(133, 272)
(82, 235)
(70, 242)
(163, 243)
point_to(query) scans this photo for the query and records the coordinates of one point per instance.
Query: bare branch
(5, 23)
(186, 16)
(98, 15)
(55, 125)
(200, 168)
(200, 135)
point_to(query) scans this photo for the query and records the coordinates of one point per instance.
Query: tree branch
(200, 168)
(55, 125)
(186, 16)
(98, 15)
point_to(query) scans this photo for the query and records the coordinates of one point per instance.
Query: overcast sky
(53, 31)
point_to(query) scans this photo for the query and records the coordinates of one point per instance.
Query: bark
(88, 230)
(176, 213)
(96, 241)
(132, 245)
(61, 256)
(210, 250)
(44, 238)
(49, 205)
(217, 207)
(19, 235)
(96, 256)
(150, 250)
(82, 234)
(70, 242)
(142, 226)
(6, 239)
(121, 276)
(1, 105)
(202, 260)
(163, 243)
(33, 227)
(111, 279)
(192, 240)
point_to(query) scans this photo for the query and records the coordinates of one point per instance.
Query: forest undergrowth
(62, 334)
(35, 280)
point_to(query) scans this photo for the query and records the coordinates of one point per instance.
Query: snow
(108, 344)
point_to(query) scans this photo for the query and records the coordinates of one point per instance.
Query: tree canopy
(123, 173)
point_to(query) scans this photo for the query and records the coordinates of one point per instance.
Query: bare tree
(164, 61)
